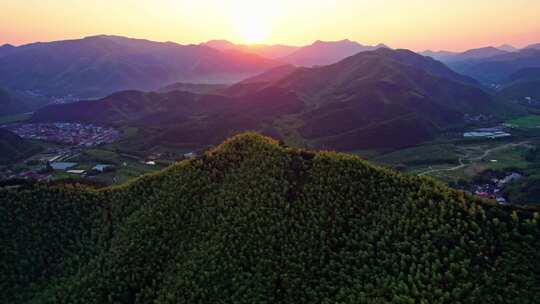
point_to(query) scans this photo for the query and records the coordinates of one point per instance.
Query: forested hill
(256, 222)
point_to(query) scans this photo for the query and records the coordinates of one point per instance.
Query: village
(76, 134)
(530, 101)
(494, 188)
(488, 133)
(67, 156)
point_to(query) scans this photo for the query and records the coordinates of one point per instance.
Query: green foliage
(527, 122)
(255, 222)
(422, 155)
(525, 190)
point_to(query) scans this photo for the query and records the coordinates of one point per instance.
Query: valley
(465, 163)
(78, 153)
(452, 158)
(396, 108)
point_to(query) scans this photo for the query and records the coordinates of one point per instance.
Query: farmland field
(14, 118)
(526, 122)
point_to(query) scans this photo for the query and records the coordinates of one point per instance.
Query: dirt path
(486, 154)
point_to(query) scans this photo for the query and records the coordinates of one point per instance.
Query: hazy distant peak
(327, 52)
(533, 46)
(6, 48)
(483, 52)
(220, 44)
(507, 48)
(109, 37)
(338, 42)
(386, 51)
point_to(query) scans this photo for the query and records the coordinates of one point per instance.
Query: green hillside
(256, 222)
(12, 147)
(521, 90)
(13, 103)
(10, 103)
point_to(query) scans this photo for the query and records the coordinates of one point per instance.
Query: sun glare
(253, 19)
(253, 30)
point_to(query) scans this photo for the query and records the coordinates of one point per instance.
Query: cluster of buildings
(29, 174)
(493, 189)
(530, 101)
(152, 160)
(45, 171)
(490, 133)
(64, 99)
(477, 117)
(67, 133)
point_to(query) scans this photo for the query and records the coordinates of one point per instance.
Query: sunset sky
(414, 24)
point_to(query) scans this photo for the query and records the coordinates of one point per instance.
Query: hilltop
(253, 221)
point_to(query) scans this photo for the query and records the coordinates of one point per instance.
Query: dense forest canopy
(257, 222)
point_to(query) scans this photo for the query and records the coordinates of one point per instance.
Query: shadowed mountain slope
(406, 97)
(13, 147)
(100, 65)
(497, 69)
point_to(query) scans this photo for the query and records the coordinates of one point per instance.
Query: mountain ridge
(384, 91)
(327, 52)
(100, 65)
(496, 69)
(13, 147)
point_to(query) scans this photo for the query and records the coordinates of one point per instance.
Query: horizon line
(495, 45)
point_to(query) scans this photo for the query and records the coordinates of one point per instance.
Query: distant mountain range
(197, 88)
(318, 53)
(507, 48)
(478, 53)
(100, 65)
(6, 49)
(522, 85)
(381, 98)
(533, 46)
(496, 69)
(324, 53)
(490, 65)
(269, 51)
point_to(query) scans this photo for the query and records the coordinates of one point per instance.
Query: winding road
(486, 154)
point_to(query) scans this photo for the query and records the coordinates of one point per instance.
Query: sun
(253, 19)
(253, 31)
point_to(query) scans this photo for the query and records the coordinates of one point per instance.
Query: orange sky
(413, 24)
